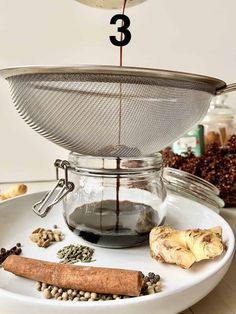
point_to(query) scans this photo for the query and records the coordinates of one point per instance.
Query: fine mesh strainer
(108, 110)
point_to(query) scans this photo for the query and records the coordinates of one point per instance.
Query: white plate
(181, 288)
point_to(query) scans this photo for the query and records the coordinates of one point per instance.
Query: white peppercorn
(47, 294)
(44, 285)
(65, 296)
(87, 295)
(76, 299)
(93, 295)
(69, 292)
(38, 286)
(83, 299)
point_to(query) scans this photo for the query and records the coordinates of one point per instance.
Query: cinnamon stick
(92, 279)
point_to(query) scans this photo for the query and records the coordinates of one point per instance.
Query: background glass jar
(192, 187)
(116, 201)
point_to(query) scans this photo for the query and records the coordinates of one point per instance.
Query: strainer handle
(227, 89)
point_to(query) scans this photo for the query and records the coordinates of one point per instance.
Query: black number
(124, 40)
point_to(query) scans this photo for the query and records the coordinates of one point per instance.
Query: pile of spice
(217, 166)
(45, 237)
(4, 253)
(150, 285)
(72, 254)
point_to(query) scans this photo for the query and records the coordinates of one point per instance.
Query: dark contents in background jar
(97, 223)
(217, 166)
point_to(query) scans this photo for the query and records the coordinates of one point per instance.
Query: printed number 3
(123, 30)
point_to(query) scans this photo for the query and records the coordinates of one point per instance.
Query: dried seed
(75, 253)
(57, 295)
(44, 285)
(47, 294)
(38, 286)
(93, 295)
(150, 290)
(40, 243)
(54, 291)
(69, 292)
(34, 237)
(87, 295)
(46, 243)
(57, 232)
(43, 238)
(57, 237)
(50, 236)
(74, 295)
(36, 230)
(65, 296)
(157, 287)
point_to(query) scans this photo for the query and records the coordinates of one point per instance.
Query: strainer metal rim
(217, 84)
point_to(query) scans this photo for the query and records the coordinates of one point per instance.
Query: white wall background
(185, 35)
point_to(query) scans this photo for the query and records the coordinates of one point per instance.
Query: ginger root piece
(185, 247)
(15, 190)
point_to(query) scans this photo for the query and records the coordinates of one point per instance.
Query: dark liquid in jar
(98, 224)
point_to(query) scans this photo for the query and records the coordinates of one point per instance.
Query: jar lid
(193, 186)
(114, 165)
(219, 111)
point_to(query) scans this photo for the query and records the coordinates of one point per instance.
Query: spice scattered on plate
(44, 238)
(13, 191)
(4, 253)
(72, 254)
(185, 247)
(150, 285)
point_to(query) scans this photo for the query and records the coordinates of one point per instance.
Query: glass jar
(219, 122)
(192, 187)
(116, 201)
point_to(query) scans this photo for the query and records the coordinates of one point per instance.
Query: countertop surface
(222, 300)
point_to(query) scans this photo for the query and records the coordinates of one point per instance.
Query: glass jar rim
(101, 164)
(188, 184)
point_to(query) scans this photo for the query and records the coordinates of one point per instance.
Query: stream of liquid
(119, 139)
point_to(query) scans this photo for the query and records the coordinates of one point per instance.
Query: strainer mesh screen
(102, 114)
